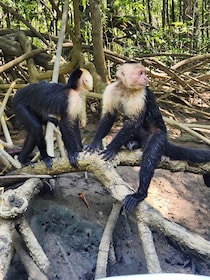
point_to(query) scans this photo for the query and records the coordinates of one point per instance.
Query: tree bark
(97, 38)
(16, 202)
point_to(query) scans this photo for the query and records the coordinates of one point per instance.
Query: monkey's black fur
(148, 131)
(32, 105)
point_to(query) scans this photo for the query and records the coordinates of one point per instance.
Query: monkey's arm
(68, 129)
(126, 133)
(103, 129)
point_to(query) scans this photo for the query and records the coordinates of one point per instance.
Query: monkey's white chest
(75, 105)
(133, 104)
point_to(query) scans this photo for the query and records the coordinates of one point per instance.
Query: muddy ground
(70, 233)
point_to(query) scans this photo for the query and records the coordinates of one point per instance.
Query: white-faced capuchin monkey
(37, 103)
(143, 127)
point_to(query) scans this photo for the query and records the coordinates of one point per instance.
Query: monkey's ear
(120, 73)
(86, 79)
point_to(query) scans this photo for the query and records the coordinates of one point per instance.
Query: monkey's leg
(138, 140)
(27, 148)
(70, 140)
(152, 153)
(34, 128)
(78, 136)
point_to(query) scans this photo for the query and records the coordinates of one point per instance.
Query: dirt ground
(70, 233)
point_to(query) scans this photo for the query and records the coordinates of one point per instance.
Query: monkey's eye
(141, 73)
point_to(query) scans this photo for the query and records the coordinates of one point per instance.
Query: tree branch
(103, 251)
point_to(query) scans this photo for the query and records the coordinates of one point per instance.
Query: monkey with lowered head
(36, 103)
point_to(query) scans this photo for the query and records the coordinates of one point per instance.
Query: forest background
(170, 30)
(170, 38)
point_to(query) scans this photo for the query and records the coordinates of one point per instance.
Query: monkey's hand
(132, 200)
(91, 148)
(108, 154)
(48, 162)
(73, 159)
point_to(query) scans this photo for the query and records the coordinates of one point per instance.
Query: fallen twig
(83, 197)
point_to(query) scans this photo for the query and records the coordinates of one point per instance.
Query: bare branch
(101, 265)
(32, 269)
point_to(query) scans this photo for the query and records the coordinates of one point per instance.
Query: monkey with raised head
(37, 103)
(143, 127)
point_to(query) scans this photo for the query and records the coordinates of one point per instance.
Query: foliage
(124, 19)
(148, 26)
(130, 28)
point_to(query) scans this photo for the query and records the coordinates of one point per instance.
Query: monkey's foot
(48, 162)
(28, 163)
(108, 154)
(25, 162)
(73, 159)
(91, 148)
(130, 202)
(132, 145)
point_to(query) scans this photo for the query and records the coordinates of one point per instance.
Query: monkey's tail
(190, 154)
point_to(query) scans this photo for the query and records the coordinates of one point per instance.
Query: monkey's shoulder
(112, 88)
(41, 89)
(114, 92)
(150, 94)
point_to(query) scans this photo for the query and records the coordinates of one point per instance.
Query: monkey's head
(81, 80)
(132, 75)
(86, 79)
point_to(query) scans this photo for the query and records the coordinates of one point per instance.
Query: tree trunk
(97, 38)
(195, 42)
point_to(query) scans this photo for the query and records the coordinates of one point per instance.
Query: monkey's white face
(132, 75)
(86, 79)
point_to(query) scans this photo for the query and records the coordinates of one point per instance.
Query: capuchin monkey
(38, 103)
(143, 127)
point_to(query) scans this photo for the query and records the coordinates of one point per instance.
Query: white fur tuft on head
(86, 79)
